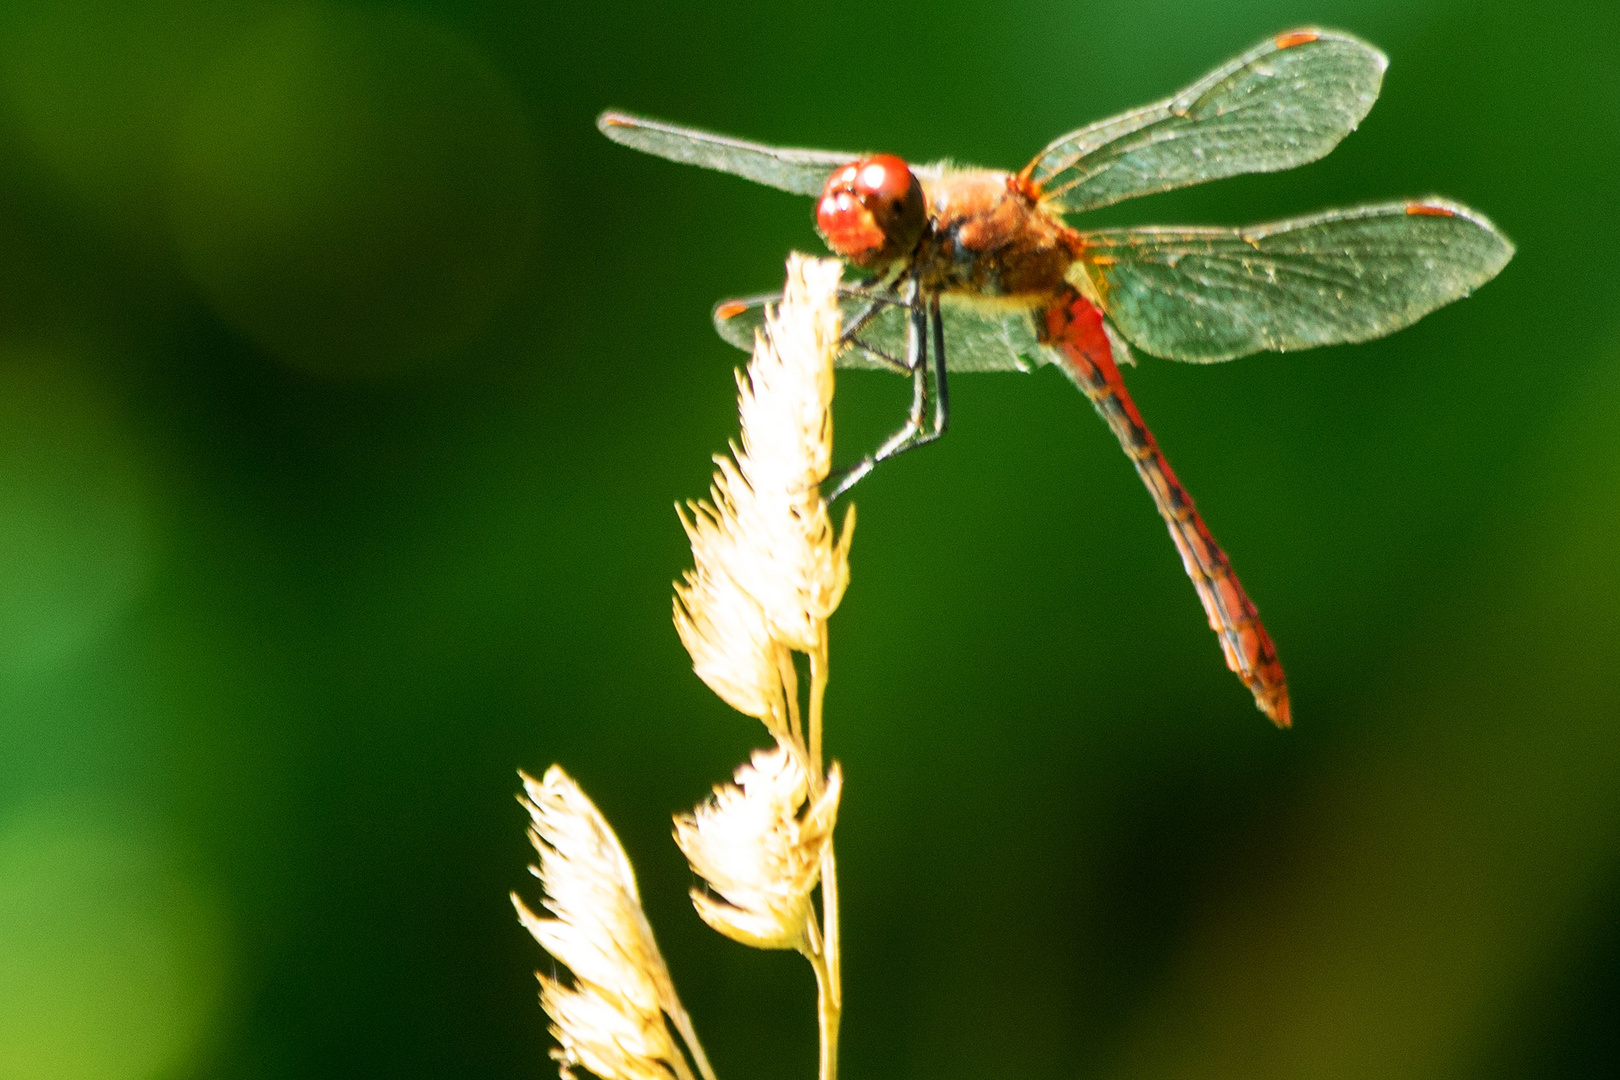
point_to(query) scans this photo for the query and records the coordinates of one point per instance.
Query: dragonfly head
(872, 210)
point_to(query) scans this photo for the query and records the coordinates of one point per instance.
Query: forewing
(1283, 103)
(802, 172)
(977, 338)
(1206, 294)
(737, 319)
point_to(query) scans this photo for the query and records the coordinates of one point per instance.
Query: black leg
(876, 301)
(924, 317)
(942, 391)
(877, 297)
(854, 325)
(892, 363)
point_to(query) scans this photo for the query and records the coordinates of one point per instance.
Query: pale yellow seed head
(766, 536)
(600, 1034)
(722, 626)
(611, 1020)
(758, 852)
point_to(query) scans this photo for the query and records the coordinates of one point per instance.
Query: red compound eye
(871, 210)
(847, 225)
(882, 176)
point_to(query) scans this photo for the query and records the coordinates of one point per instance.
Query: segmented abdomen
(1074, 330)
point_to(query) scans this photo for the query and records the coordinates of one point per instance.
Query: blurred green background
(347, 377)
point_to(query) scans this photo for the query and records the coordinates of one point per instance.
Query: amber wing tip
(1291, 38)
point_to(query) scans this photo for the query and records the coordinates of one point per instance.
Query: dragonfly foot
(844, 479)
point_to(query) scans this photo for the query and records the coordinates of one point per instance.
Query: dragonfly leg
(893, 364)
(882, 295)
(917, 431)
(858, 322)
(875, 302)
(942, 391)
(1074, 332)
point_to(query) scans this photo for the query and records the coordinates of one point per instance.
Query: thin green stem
(829, 911)
(829, 980)
(790, 688)
(827, 1016)
(818, 690)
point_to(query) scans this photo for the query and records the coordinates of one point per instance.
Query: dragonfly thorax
(872, 211)
(987, 237)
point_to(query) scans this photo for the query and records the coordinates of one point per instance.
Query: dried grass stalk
(611, 1019)
(768, 571)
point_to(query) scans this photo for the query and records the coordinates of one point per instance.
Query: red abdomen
(1074, 329)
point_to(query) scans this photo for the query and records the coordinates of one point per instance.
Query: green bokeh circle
(112, 955)
(75, 510)
(354, 191)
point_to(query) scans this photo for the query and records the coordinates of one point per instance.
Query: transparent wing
(977, 338)
(1285, 102)
(800, 171)
(1206, 294)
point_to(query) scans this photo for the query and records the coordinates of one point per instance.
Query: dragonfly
(968, 269)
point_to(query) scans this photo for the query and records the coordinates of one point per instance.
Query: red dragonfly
(982, 263)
